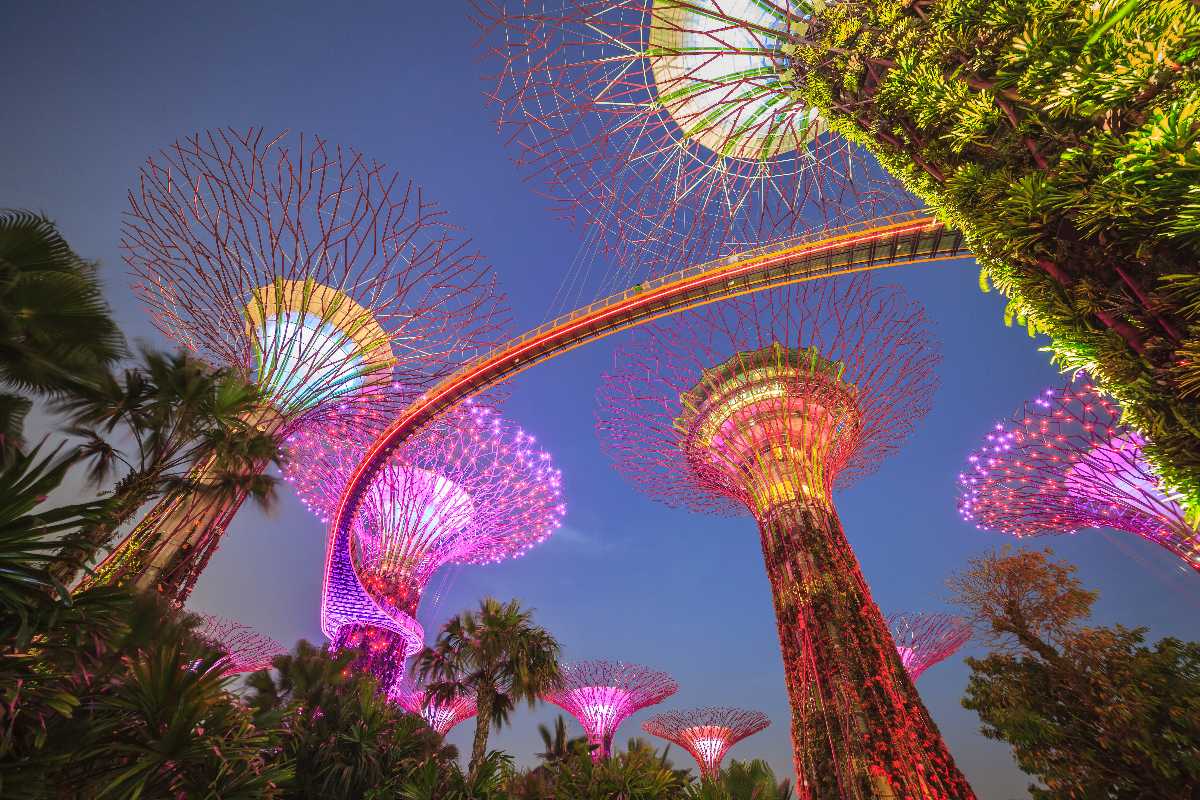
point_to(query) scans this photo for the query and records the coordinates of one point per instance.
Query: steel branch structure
(328, 281)
(670, 124)
(707, 733)
(441, 716)
(471, 488)
(923, 640)
(1064, 462)
(766, 404)
(245, 649)
(602, 694)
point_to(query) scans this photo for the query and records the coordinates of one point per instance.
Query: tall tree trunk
(483, 726)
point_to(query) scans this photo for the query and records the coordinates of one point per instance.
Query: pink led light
(441, 716)
(923, 640)
(245, 649)
(707, 733)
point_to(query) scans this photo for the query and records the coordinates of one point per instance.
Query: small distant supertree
(1064, 462)
(312, 271)
(707, 733)
(245, 649)
(441, 716)
(602, 694)
(764, 405)
(471, 488)
(671, 124)
(923, 640)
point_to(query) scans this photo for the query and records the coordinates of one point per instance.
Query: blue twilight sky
(90, 89)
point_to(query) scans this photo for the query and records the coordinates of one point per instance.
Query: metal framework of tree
(1064, 462)
(327, 280)
(672, 126)
(470, 488)
(766, 404)
(602, 694)
(441, 716)
(923, 640)
(707, 733)
(245, 649)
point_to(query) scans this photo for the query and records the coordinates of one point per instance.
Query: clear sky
(90, 89)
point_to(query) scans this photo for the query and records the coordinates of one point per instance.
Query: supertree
(325, 279)
(766, 404)
(670, 123)
(245, 649)
(602, 694)
(441, 716)
(1064, 462)
(470, 488)
(923, 640)
(707, 733)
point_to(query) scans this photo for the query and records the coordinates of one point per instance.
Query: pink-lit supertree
(245, 649)
(441, 716)
(673, 125)
(765, 404)
(470, 488)
(707, 733)
(925, 639)
(312, 271)
(602, 694)
(1064, 462)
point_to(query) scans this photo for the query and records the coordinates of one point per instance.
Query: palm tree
(174, 411)
(55, 328)
(496, 654)
(558, 747)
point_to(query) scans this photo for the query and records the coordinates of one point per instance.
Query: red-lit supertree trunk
(310, 271)
(766, 404)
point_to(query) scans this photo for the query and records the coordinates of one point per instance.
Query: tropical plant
(744, 780)
(495, 654)
(55, 327)
(1089, 712)
(637, 773)
(1061, 138)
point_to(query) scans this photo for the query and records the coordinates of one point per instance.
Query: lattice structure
(312, 270)
(602, 694)
(441, 716)
(471, 488)
(1064, 462)
(767, 403)
(707, 733)
(245, 649)
(669, 124)
(923, 640)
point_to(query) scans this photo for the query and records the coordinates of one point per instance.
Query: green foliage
(1063, 139)
(637, 773)
(1090, 712)
(55, 328)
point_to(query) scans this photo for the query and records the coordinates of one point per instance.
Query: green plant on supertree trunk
(1062, 139)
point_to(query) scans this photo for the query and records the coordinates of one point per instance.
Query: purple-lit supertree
(245, 649)
(707, 733)
(1065, 462)
(601, 694)
(441, 716)
(764, 405)
(312, 271)
(671, 124)
(470, 488)
(923, 640)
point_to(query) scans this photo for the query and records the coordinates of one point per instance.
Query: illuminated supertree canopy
(670, 123)
(923, 640)
(441, 716)
(707, 733)
(471, 488)
(602, 694)
(766, 404)
(245, 649)
(327, 280)
(1064, 462)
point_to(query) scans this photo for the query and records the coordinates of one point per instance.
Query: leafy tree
(55, 328)
(345, 740)
(744, 780)
(637, 773)
(1090, 712)
(496, 654)
(1061, 138)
